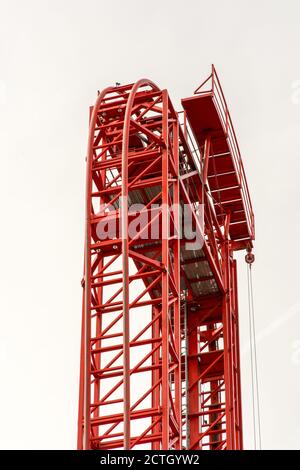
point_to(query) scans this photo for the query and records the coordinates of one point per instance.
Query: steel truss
(160, 347)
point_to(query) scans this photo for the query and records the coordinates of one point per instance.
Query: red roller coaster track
(160, 364)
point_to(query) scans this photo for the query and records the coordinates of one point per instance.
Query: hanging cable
(253, 356)
(255, 359)
(251, 361)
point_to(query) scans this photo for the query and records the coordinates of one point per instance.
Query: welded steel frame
(117, 117)
(215, 407)
(136, 146)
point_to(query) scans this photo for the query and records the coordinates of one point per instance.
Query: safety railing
(212, 86)
(190, 140)
(210, 217)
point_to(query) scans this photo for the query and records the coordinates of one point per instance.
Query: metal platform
(208, 115)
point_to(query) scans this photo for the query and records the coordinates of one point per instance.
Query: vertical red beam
(238, 394)
(125, 269)
(231, 349)
(193, 381)
(165, 276)
(87, 275)
(226, 318)
(87, 304)
(156, 377)
(176, 250)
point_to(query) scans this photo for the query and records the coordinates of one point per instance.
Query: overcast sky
(54, 56)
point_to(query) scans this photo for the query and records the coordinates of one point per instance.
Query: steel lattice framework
(160, 362)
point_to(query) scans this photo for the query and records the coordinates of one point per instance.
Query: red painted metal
(160, 340)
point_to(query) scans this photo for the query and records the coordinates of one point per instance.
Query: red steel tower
(160, 364)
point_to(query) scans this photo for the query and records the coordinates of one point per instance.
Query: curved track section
(130, 384)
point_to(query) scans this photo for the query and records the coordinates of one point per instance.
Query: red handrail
(225, 118)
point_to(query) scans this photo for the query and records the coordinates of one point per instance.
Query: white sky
(54, 56)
